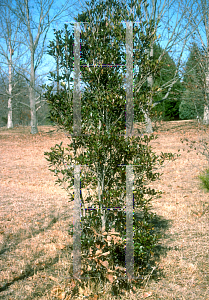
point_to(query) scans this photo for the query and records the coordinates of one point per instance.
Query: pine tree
(192, 101)
(169, 108)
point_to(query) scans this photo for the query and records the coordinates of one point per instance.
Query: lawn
(35, 215)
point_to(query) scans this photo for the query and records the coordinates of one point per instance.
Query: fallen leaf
(148, 294)
(110, 271)
(62, 295)
(106, 253)
(88, 268)
(104, 263)
(110, 278)
(60, 246)
(98, 252)
(53, 278)
(94, 297)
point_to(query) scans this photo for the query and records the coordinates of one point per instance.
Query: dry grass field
(35, 257)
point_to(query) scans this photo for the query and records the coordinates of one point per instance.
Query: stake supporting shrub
(114, 245)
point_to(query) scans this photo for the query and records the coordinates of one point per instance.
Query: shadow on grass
(29, 272)
(11, 242)
(160, 225)
(150, 270)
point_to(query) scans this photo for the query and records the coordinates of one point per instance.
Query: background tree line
(21, 114)
(23, 47)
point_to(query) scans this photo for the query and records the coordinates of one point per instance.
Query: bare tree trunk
(148, 123)
(148, 120)
(34, 128)
(57, 51)
(206, 115)
(206, 107)
(9, 115)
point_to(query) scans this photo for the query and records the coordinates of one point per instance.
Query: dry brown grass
(35, 215)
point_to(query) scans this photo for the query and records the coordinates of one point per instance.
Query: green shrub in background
(187, 111)
(204, 177)
(192, 99)
(169, 108)
(192, 105)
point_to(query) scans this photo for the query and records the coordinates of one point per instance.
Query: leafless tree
(36, 18)
(9, 52)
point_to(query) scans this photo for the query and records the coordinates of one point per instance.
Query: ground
(35, 216)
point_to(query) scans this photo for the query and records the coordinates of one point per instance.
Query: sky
(164, 36)
(49, 62)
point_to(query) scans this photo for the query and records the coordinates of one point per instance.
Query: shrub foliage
(103, 153)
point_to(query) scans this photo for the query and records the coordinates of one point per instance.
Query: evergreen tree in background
(169, 108)
(192, 101)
